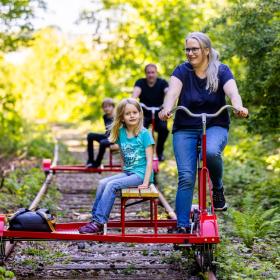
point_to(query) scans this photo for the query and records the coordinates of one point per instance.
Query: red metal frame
(153, 212)
(208, 225)
(69, 231)
(47, 167)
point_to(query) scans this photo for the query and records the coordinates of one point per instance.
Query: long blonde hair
(213, 60)
(118, 120)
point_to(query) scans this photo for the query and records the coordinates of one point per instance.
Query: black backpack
(28, 220)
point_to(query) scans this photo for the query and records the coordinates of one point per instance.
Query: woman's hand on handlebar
(241, 112)
(164, 114)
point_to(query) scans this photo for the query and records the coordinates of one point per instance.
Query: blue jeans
(185, 150)
(106, 194)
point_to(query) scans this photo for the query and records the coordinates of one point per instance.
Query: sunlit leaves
(15, 25)
(250, 30)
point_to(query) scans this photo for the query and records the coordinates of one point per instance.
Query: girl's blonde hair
(118, 120)
(213, 60)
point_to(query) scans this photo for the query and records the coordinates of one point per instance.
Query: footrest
(151, 192)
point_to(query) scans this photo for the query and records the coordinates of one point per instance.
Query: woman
(200, 84)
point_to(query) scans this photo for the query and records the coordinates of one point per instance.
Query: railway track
(95, 260)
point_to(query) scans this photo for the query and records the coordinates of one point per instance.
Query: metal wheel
(2, 251)
(205, 257)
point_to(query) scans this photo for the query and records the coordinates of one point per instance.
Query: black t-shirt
(151, 96)
(198, 100)
(107, 122)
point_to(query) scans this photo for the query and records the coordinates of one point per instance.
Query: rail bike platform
(69, 231)
(47, 166)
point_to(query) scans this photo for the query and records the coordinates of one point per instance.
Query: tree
(250, 32)
(144, 31)
(15, 22)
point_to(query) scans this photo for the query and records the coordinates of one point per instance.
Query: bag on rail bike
(28, 220)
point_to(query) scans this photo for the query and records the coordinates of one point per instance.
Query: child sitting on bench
(136, 146)
(108, 107)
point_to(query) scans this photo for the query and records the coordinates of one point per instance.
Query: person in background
(108, 107)
(136, 146)
(151, 91)
(201, 84)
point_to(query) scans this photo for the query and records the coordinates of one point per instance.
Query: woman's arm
(174, 90)
(231, 90)
(149, 167)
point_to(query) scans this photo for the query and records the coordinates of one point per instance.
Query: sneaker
(89, 165)
(91, 227)
(219, 200)
(183, 230)
(92, 165)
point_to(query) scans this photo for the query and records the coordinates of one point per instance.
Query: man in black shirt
(108, 106)
(151, 91)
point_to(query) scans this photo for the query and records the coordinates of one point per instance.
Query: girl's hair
(213, 60)
(118, 120)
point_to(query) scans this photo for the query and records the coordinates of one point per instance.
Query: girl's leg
(100, 189)
(185, 150)
(217, 138)
(107, 199)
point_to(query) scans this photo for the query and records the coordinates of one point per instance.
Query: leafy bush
(254, 223)
(5, 274)
(248, 31)
(24, 185)
(236, 261)
(251, 167)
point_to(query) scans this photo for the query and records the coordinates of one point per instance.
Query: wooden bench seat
(152, 191)
(150, 194)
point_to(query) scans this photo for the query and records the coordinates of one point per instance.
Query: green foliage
(251, 167)
(40, 254)
(250, 30)
(38, 142)
(253, 223)
(24, 185)
(6, 274)
(157, 36)
(63, 82)
(236, 261)
(129, 270)
(15, 22)
(40, 148)
(11, 122)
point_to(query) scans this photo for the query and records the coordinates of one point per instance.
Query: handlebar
(186, 110)
(152, 109)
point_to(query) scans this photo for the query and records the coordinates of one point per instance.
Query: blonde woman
(136, 146)
(200, 84)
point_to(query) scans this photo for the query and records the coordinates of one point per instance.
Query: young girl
(136, 146)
